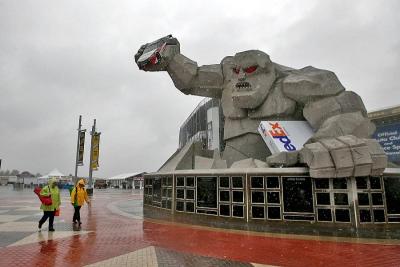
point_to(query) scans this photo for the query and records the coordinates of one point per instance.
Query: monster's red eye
(250, 69)
(236, 70)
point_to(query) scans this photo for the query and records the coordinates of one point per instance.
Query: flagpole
(90, 183)
(77, 149)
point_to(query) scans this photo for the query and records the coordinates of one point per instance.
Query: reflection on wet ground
(114, 233)
(304, 231)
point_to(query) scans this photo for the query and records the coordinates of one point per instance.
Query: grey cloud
(65, 58)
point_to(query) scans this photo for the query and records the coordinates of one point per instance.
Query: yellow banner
(95, 151)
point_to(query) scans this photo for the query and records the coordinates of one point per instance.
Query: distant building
(4, 180)
(127, 180)
(64, 181)
(204, 124)
(27, 179)
(387, 122)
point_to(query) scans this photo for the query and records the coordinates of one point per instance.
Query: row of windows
(260, 182)
(331, 196)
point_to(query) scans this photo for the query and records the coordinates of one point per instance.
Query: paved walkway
(114, 234)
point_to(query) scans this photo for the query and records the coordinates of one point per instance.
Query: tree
(14, 172)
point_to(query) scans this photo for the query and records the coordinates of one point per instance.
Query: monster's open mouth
(243, 86)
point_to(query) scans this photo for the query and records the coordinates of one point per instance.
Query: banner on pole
(95, 151)
(81, 147)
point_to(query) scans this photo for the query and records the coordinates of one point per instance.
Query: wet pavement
(114, 233)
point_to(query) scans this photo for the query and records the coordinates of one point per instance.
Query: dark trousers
(47, 214)
(77, 214)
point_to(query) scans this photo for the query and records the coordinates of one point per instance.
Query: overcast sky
(60, 59)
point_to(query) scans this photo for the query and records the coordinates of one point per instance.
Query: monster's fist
(156, 56)
(344, 156)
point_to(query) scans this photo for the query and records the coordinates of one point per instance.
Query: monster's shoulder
(308, 84)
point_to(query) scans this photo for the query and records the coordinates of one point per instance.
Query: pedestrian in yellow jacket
(49, 210)
(78, 198)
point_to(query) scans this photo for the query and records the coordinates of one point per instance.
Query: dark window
(257, 197)
(164, 204)
(224, 182)
(169, 181)
(224, 196)
(189, 207)
(180, 205)
(190, 181)
(272, 182)
(377, 199)
(157, 189)
(207, 192)
(361, 182)
(237, 211)
(273, 197)
(274, 213)
(298, 218)
(297, 194)
(341, 199)
(363, 199)
(323, 199)
(322, 183)
(224, 210)
(189, 194)
(169, 204)
(324, 215)
(342, 215)
(392, 194)
(164, 192)
(237, 196)
(180, 193)
(365, 215)
(164, 180)
(375, 182)
(180, 181)
(257, 212)
(169, 191)
(237, 182)
(257, 182)
(379, 216)
(340, 183)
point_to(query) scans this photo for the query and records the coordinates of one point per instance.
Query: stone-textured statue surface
(252, 88)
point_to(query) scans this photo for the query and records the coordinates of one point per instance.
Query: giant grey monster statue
(252, 88)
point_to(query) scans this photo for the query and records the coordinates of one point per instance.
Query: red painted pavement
(116, 235)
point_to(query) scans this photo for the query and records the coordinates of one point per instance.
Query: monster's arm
(187, 76)
(190, 79)
(340, 146)
(338, 115)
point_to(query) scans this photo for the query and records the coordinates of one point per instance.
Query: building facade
(204, 124)
(387, 122)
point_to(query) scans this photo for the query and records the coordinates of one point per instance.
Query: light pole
(90, 183)
(77, 148)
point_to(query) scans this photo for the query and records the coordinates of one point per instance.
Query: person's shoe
(80, 223)
(51, 230)
(74, 222)
(40, 227)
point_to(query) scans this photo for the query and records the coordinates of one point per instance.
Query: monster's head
(252, 77)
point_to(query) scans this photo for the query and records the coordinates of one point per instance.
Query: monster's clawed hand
(344, 156)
